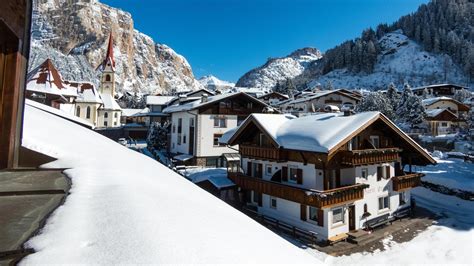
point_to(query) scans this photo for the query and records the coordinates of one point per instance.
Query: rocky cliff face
(74, 35)
(280, 69)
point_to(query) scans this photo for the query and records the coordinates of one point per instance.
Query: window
(184, 139)
(216, 140)
(384, 203)
(180, 125)
(179, 138)
(107, 77)
(375, 140)
(354, 143)
(264, 141)
(78, 111)
(365, 173)
(212, 162)
(273, 202)
(88, 112)
(402, 198)
(219, 122)
(249, 105)
(116, 115)
(313, 213)
(365, 208)
(337, 215)
(255, 196)
(115, 123)
(268, 169)
(293, 174)
(174, 129)
(444, 124)
(191, 122)
(105, 123)
(106, 115)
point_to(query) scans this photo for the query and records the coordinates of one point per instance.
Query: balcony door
(352, 218)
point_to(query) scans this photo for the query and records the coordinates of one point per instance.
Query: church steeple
(107, 84)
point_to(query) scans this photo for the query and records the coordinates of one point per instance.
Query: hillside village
(329, 172)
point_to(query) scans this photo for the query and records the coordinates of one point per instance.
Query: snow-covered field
(125, 207)
(452, 173)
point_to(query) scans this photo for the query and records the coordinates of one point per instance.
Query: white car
(123, 141)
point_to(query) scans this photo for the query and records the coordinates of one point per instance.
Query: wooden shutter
(248, 196)
(249, 168)
(260, 170)
(299, 176)
(387, 171)
(303, 212)
(259, 197)
(320, 217)
(379, 173)
(284, 173)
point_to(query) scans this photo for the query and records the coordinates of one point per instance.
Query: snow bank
(451, 173)
(126, 208)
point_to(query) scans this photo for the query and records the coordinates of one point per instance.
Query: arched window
(88, 112)
(106, 115)
(78, 111)
(107, 77)
(116, 115)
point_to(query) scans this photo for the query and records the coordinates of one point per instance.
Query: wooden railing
(370, 156)
(319, 199)
(262, 153)
(406, 181)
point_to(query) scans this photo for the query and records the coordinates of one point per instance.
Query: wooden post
(15, 19)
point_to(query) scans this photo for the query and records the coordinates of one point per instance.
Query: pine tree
(410, 109)
(392, 95)
(376, 101)
(425, 94)
(462, 95)
(158, 136)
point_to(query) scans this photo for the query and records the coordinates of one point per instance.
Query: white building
(198, 125)
(318, 101)
(329, 173)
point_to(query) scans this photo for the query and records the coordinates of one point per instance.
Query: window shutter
(284, 173)
(299, 176)
(249, 168)
(303, 212)
(248, 196)
(260, 170)
(379, 173)
(320, 217)
(387, 171)
(259, 196)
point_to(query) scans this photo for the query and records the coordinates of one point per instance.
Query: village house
(439, 90)
(330, 173)
(156, 105)
(320, 101)
(445, 115)
(273, 98)
(190, 96)
(197, 126)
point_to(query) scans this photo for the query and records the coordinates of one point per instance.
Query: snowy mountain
(280, 69)
(401, 60)
(74, 35)
(210, 82)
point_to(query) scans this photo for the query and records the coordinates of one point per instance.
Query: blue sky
(227, 38)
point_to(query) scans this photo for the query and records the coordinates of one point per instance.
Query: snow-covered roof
(130, 112)
(47, 79)
(435, 112)
(440, 85)
(430, 101)
(59, 113)
(86, 92)
(127, 208)
(198, 103)
(159, 100)
(109, 102)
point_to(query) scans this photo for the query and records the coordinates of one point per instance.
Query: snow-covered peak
(212, 80)
(280, 69)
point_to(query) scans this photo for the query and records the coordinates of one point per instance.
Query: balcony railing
(263, 153)
(319, 199)
(370, 156)
(406, 181)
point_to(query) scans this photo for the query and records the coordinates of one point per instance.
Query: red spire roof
(110, 52)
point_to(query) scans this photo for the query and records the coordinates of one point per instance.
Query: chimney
(204, 98)
(347, 111)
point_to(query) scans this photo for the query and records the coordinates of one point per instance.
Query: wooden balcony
(263, 153)
(370, 156)
(406, 181)
(319, 199)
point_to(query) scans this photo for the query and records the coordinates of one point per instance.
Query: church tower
(107, 82)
